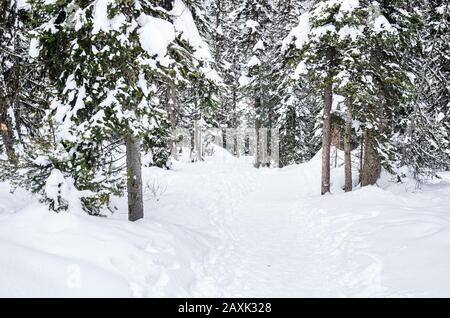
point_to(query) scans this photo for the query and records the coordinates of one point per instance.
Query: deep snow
(223, 228)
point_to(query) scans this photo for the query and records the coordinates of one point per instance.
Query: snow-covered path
(223, 228)
(271, 249)
(284, 240)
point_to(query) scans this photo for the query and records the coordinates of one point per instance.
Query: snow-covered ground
(223, 228)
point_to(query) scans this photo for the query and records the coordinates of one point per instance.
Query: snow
(259, 46)
(222, 228)
(299, 34)
(244, 80)
(23, 4)
(185, 25)
(441, 9)
(323, 30)
(381, 24)
(34, 48)
(211, 74)
(101, 20)
(348, 6)
(155, 35)
(252, 25)
(338, 102)
(352, 32)
(219, 30)
(300, 70)
(254, 61)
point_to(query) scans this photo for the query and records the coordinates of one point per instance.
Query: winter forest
(224, 148)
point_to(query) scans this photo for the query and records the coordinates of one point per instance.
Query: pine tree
(192, 92)
(297, 106)
(229, 56)
(21, 82)
(105, 77)
(350, 48)
(316, 40)
(255, 18)
(424, 146)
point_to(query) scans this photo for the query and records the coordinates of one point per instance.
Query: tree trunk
(258, 152)
(361, 156)
(7, 133)
(134, 179)
(347, 147)
(335, 142)
(172, 110)
(372, 164)
(326, 141)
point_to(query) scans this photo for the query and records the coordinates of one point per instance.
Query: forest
(94, 95)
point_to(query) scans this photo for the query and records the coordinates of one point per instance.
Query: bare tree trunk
(172, 110)
(7, 133)
(258, 154)
(134, 179)
(326, 142)
(335, 141)
(361, 155)
(347, 147)
(372, 163)
(326, 139)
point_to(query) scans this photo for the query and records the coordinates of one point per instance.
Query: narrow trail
(273, 251)
(277, 239)
(268, 248)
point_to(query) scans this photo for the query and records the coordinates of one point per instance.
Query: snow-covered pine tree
(255, 18)
(297, 106)
(111, 57)
(22, 103)
(332, 55)
(424, 146)
(229, 56)
(21, 82)
(191, 92)
(315, 43)
(388, 85)
(8, 57)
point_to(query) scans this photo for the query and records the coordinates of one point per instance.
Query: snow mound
(155, 35)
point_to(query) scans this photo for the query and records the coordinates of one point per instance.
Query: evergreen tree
(111, 55)
(350, 48)
(255, 19)
(424, 146)
(191, 93)
(297, 105)
(21, 82)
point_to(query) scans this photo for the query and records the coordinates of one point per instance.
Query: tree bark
(361, 156)
(134, 179)
(172, 110)
(326, 141)
(347, 147)
(258, 152)
(372, 164)
(335, 141)
(6, 130)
